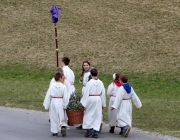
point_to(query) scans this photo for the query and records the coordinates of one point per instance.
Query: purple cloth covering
(55, 11)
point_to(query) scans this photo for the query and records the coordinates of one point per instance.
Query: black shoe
(120, 133)
(49, 121)
(79, 127)
(63, 131)
(55, 134)
(112, 129)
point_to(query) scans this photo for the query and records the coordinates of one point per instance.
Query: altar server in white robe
(68, 73)
(64, 81)
(112, 93)
(86, 68)
(57, 100)
(93, 100)
(123, 104)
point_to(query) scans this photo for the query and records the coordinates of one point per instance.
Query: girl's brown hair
(83, 68)
(58, 75)
(117, 76)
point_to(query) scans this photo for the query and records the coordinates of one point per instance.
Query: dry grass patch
(133, 35)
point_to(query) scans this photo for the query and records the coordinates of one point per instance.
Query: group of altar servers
(93, 100)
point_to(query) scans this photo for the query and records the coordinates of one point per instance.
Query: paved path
(19, 124)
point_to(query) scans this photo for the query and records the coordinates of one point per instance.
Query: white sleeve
(73, 78)
(86, 78)
(103, 96)
(68, 86)
(135, 99)
(47, 99)
(65, 98)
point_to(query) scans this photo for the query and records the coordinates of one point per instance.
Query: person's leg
(49, 116)
(54, 123)
(79, 127)
(112, 129)
(120, 133)
(101, 124)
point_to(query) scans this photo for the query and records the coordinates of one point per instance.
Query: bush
(74, 102)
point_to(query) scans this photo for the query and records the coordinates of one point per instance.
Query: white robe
(124, 107)
(57, 106)
(111, 92)
(85, 80)
(93, 104)
(69, 74)
(68, 87)
(66, 83)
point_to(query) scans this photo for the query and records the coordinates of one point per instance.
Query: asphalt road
(19, 124)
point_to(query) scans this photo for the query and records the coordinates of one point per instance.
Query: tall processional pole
(55, 11)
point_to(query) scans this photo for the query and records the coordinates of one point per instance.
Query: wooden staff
(56, 39)
(54, 12)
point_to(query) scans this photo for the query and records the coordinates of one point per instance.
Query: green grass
(23, 87)
(140, 38)
(160, 98)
